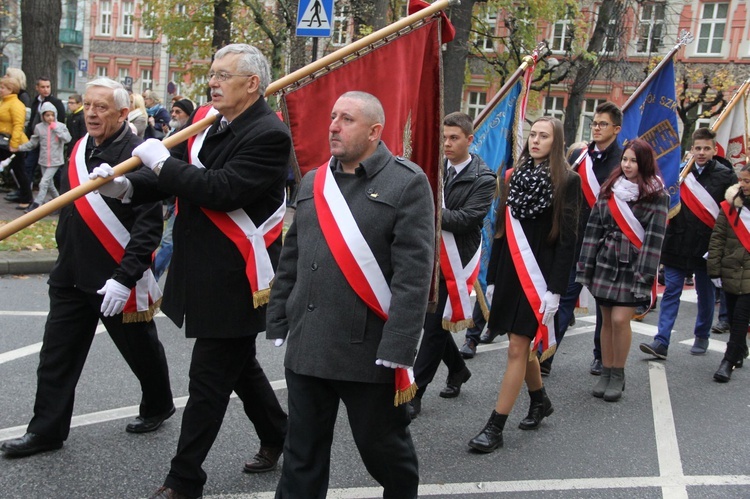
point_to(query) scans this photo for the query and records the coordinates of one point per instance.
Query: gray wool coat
(330, 332)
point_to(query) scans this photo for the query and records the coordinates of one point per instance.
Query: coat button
(314, 266)
(310, 307)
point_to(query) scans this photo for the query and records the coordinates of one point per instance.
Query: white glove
(151, 152)
(6, 162)
(490, 293)
(278, 342)
(550, 304)
(115, 296)
(717, 282)
(116, 188)
(388, 363)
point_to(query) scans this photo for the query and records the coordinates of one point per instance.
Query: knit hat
(186, 105)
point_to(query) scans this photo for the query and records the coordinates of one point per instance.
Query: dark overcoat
(610, 265)
(511, 311)
(246, 166)
(330, 331)
(82, 261)
(687, 236)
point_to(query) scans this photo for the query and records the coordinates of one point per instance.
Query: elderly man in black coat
(230, 182)
(105, 248)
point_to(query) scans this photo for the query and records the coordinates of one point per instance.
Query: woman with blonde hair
(138, 116)
(12, 120)
(532, 253)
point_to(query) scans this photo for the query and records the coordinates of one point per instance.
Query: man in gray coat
(349, 298)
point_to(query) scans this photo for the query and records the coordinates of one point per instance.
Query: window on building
(176, 78)
(611, 37)
(70, 15)
(485, 28)
(476, 103)
(127, 10)
(702, 122)
(181, 9)
(147, 79)
(147, 16)
(101, 71)
(562, 35)
(105, 17)
(554, 106)
(340, 34)
(712, 28)
(650, 27)
(122, 73)
(68, 77)
(587, 116)
(4, 64)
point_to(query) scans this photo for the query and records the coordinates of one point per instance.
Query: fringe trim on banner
(582, 310)
(261, 297)
(674, 211)
(455, 327)
(143, 316)
(518, 123)
(482, 300)
(545, 355)
(404, 396)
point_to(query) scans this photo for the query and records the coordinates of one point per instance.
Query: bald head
(356, 126)
(371, 107)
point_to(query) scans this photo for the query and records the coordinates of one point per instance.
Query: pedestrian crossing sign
(314, 18)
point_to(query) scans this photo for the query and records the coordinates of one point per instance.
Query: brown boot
(264, 460)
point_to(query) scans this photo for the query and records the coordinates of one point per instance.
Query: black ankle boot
(541, 406)
(725, 371)
(491, 437)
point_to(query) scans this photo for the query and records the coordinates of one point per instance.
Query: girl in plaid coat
(620, 255)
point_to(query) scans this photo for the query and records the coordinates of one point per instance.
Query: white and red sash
(699, 201)
(459, 281)
(631, 228)
(589, 185)
(356, 260)
(252, 242)
(145, 297)
(532, 282)
(742, 229)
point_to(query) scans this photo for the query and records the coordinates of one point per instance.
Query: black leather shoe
(414, 407)
(13, 198)
(725, 371)
(596, 367)
(265, 460)
(28, 445)
(145, 425)
(541, 407)
(468, 350)
(488, 336)
(167, 493)
(491, 437)
(454, 382)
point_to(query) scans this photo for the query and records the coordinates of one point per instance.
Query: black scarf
(530, 190)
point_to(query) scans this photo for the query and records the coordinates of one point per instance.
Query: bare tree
(40, 21)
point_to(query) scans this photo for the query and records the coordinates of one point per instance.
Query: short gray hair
(372, 107)
(122, 99)
(252, 62)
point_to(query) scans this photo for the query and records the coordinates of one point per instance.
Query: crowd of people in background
(594, 217)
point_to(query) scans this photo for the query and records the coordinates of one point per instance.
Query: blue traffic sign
(83, 65)
(315, 18)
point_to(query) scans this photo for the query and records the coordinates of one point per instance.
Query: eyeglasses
(602, 125)
(224, 76)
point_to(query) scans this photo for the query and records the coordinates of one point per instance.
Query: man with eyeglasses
(230, 184)
(594, 164)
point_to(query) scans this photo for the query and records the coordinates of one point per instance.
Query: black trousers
(380, 430)
(68, 334)
(218, 367)
(437, 345)
(19, 171)
(738, 309)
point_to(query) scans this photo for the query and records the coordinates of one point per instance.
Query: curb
(27, 262)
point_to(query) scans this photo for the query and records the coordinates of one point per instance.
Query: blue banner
(653, 118)
(493, 142)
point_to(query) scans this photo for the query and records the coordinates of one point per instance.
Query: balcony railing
(71, 37)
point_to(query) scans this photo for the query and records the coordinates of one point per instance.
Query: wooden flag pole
(722, 117)
(130, 164)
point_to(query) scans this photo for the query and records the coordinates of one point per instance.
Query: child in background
(50, 136)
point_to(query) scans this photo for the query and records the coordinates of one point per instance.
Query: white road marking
(24, 313)
(667, 448)
(713, 345)
(32, 349)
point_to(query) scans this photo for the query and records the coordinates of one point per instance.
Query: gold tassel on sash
(404, 396)
(261, 297)
(144, 316)
(545, 355)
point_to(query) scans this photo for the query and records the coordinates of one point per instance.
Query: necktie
(222, 125)
(450, 176)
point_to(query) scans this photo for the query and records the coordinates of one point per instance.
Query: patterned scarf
(530, 190)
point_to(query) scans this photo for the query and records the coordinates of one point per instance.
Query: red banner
(405, 74)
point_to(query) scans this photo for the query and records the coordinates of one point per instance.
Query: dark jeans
(474, 332)
(17, 169)
(380, 431)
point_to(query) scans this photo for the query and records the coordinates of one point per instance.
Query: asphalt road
(676, 433)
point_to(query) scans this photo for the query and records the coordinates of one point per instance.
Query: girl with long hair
(532, 253)
(620, 255)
